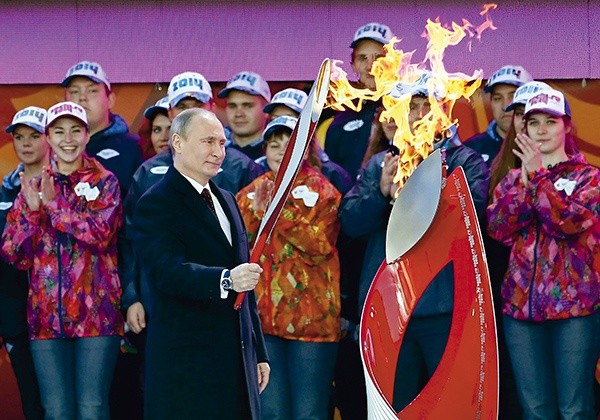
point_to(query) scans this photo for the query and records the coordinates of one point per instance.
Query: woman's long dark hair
(145, 132)
(377, 140)
(505, 161)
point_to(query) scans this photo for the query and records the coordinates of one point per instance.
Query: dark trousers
(349, 393)
(126, 392)
(509, 407)
(420, 353)
(19, 353)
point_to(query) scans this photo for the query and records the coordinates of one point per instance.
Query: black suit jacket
(202, 354)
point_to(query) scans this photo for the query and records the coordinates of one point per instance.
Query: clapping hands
(38, 191)
(390, 167)
(530, 155)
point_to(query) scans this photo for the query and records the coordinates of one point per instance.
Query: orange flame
(386, 70)
(416, 142)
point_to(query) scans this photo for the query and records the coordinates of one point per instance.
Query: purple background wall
(150, 41)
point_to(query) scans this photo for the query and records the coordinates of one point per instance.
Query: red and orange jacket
(553, 227)
(69, 246)
(298, 294)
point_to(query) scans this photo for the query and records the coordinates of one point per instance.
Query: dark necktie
(205, 194)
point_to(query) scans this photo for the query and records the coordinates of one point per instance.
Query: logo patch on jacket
(5, 205)
(566, 185)
(159, 170)
(107, 153)
(84, 189)
(309, 197)
(353, 125)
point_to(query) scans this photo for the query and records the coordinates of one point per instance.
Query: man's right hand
(245, 276)
(136, 317)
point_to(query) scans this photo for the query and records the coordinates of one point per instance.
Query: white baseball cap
(66, 109)
(160, 107)
(419, 87)
(32, 116)
(189, 85)
(89, 69)
(377, 32)
(280, 122)
(249, 82)
(508, 75)
(523, 93)
(295, 99)
(549, 101)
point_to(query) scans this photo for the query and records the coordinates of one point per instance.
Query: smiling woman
(74, 319)
(68, 137)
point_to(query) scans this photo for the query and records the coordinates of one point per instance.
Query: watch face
(227, 284)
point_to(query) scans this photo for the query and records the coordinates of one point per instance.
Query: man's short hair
(181, 123)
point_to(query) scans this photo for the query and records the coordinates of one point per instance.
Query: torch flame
(386, 70)
(444, 89)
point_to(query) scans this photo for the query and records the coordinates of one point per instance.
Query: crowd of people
(123, 254)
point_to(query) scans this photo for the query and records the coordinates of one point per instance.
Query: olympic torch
(290, 164)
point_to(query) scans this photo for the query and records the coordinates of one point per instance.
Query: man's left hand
(264, 370)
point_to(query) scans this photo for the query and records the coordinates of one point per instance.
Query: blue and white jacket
(117, 150)
(487, 144)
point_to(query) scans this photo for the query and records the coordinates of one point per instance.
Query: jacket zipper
(535, 256)
(60, 308)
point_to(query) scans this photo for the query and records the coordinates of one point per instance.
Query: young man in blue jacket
(501, 86)
(247, 94)
(365, 212)
(111, 143)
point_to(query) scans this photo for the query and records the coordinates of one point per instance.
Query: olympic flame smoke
(416, 142)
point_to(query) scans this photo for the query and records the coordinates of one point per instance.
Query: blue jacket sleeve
(365, 209)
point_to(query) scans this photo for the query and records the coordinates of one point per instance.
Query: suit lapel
(238, 232)
(197, 206)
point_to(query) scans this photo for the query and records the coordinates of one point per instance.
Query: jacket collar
(194, 202)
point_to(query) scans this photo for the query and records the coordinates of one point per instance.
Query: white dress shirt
(223, 221)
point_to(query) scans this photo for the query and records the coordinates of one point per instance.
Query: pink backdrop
(150, 41)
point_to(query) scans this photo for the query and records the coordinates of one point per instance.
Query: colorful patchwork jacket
(553, 227)
(70, 246)
(298, 294)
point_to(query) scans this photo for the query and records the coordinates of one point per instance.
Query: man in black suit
(204, 359)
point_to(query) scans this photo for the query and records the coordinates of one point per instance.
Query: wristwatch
(226, 282)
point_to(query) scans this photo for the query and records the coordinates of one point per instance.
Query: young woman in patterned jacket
(62, 227)
(298, 295)
(548, 212)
